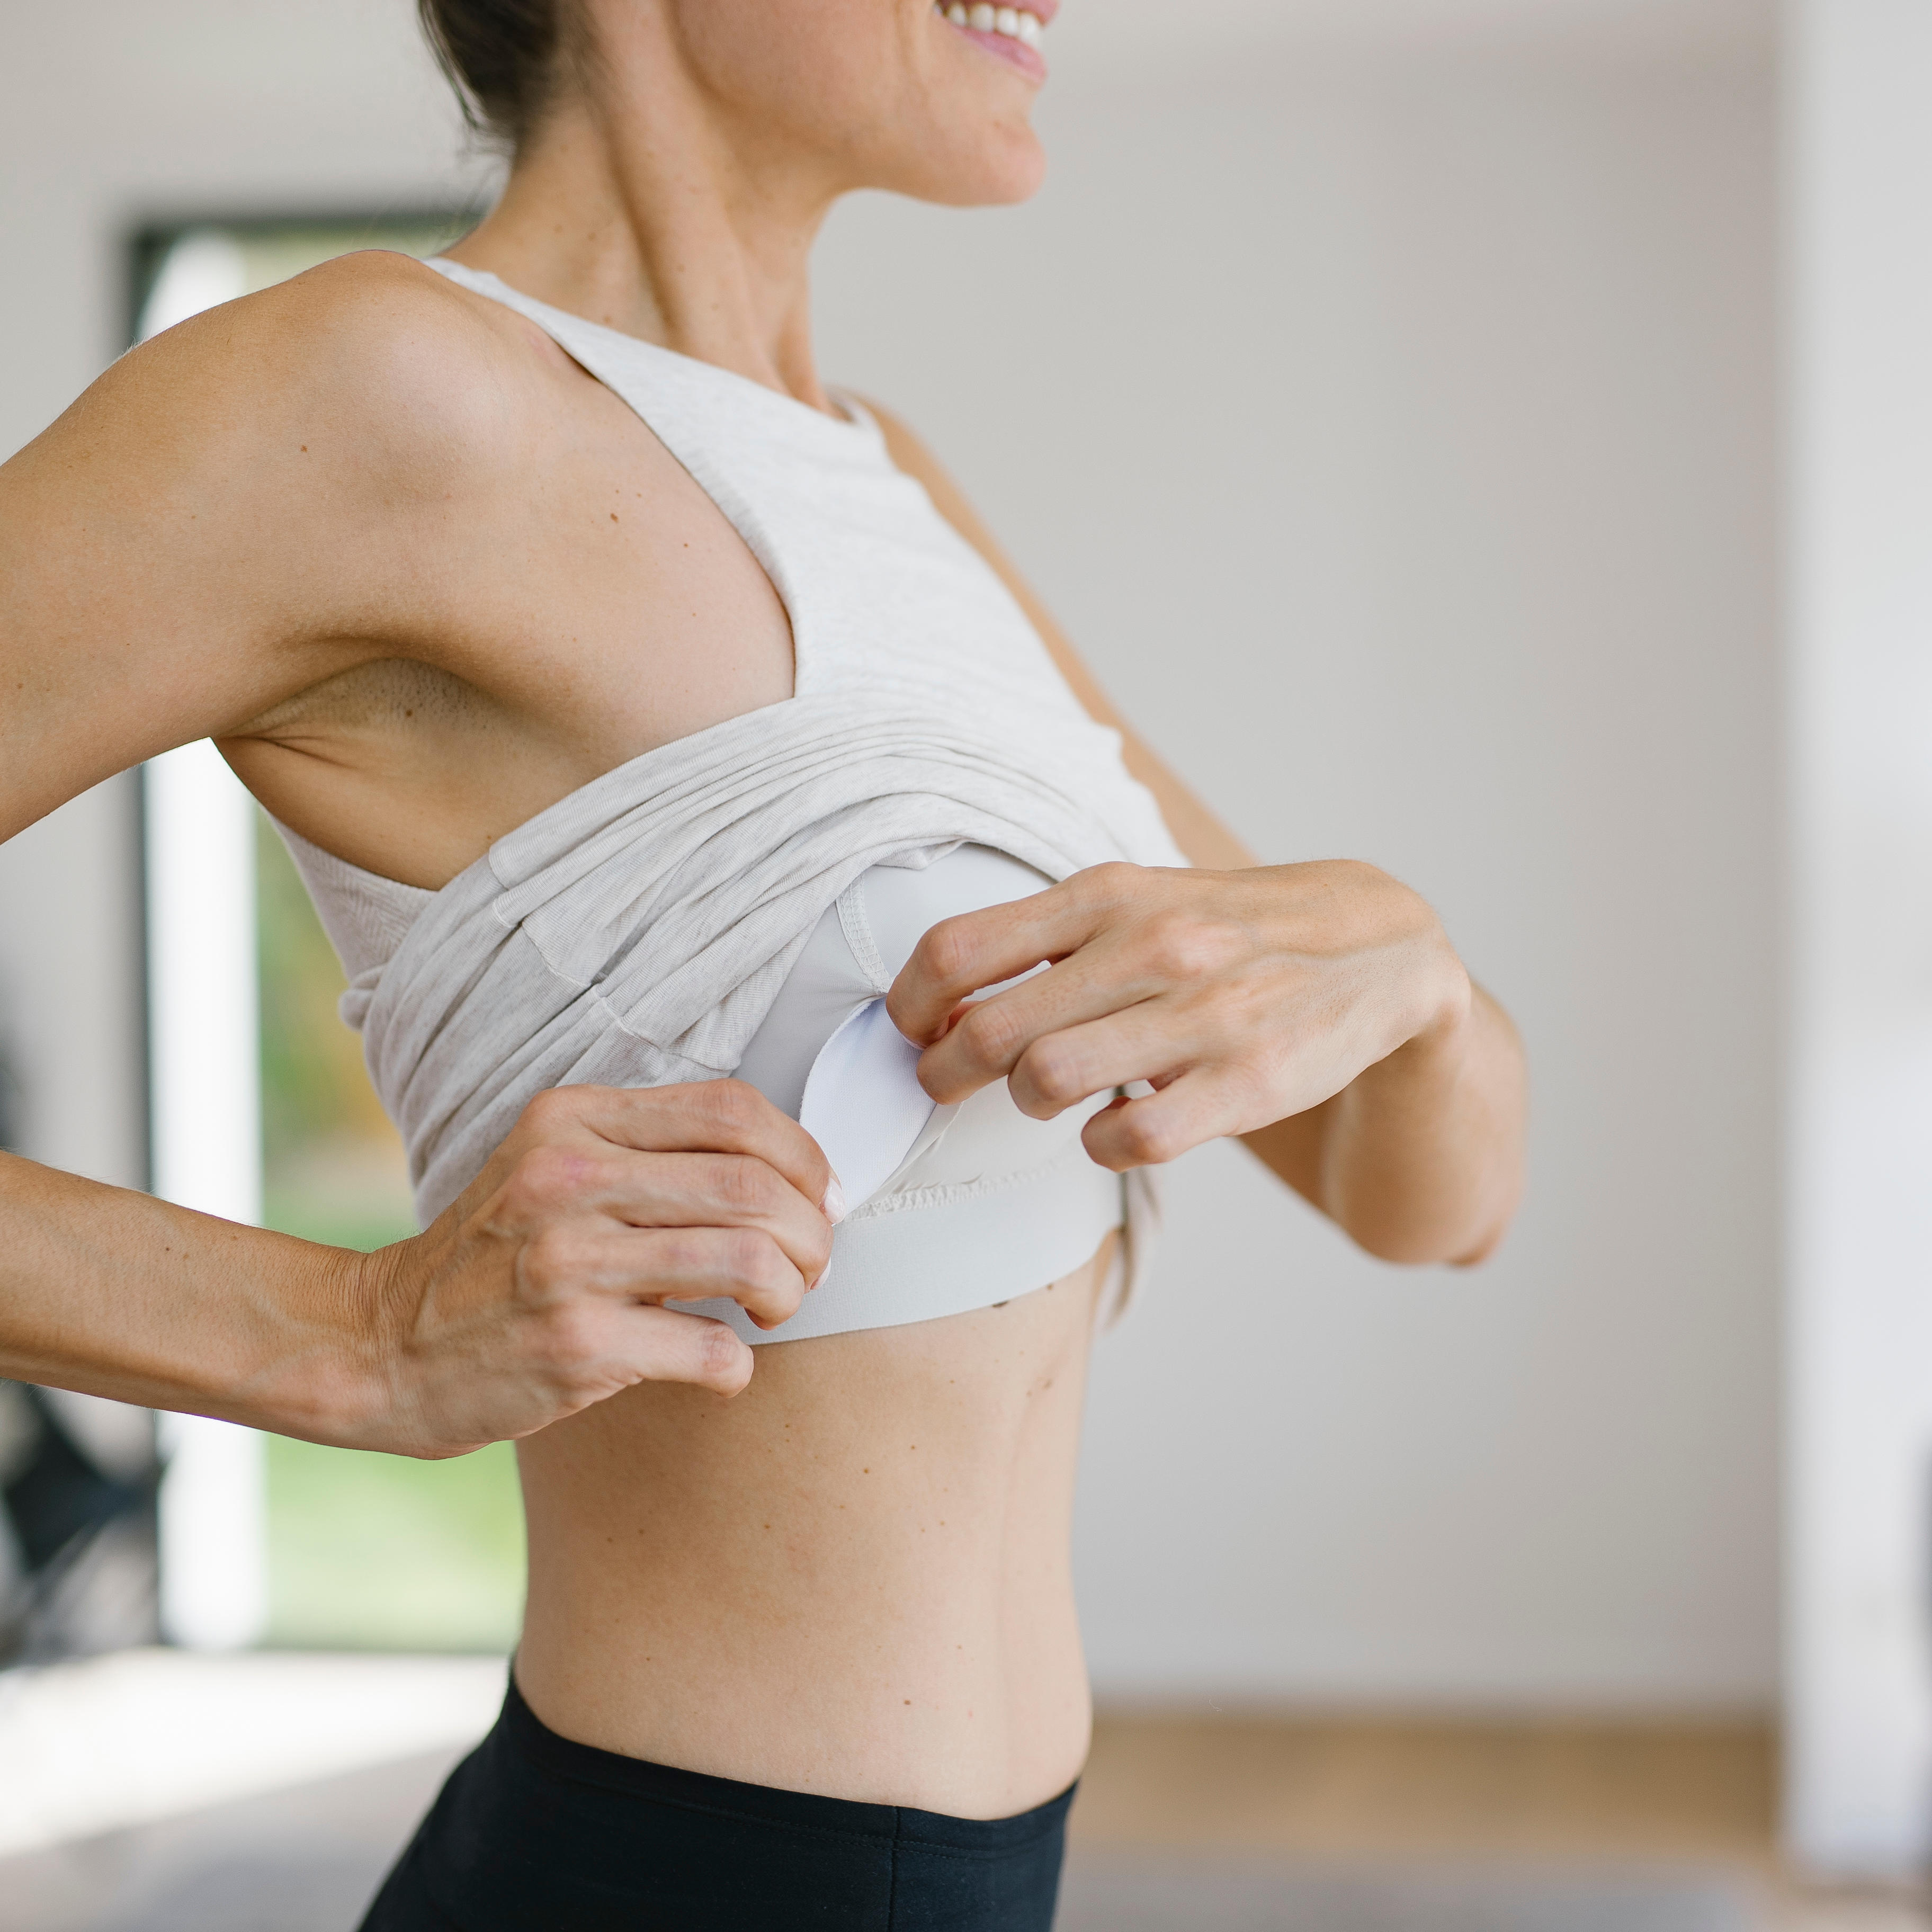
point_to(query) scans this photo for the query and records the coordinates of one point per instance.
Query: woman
(641, 713)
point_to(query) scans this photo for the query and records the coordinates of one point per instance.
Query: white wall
(1859, 1203)
(1396, 437)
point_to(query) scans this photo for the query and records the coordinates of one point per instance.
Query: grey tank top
(738, 902)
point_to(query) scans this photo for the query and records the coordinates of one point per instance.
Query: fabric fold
(637, 932)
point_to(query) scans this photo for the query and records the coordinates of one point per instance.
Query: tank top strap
(758, 454)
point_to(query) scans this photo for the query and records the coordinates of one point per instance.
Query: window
(262, 1112)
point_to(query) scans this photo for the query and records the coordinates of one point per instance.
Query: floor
(1211, 1824)
(94, 1746)
(1365, 1787)
(1597, 1796)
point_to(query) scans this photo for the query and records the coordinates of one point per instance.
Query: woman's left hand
(1241, 998)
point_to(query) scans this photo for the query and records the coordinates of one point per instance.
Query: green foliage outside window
(364, 1551)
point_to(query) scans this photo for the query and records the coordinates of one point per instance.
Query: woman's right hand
(543, 1288)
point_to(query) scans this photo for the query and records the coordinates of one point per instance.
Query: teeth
(1013, 22)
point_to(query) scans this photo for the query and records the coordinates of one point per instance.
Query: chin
(1019, 181)
(978, 174)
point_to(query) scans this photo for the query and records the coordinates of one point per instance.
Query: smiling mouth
(1012, 32)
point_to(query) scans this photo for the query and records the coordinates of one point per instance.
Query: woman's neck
(649, 217)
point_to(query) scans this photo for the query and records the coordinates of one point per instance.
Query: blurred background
(1490, 437)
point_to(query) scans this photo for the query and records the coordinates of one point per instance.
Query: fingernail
(834, 1203)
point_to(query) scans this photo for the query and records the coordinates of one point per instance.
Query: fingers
(1061, 1069)
(663, 1345)
(541, 1290)
(960, 956)
(1193, 1110)
(593, 1258)
(555, 1189)
(992, 1038)
(714, 1116)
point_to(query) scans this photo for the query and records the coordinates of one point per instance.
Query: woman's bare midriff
(851, 1579)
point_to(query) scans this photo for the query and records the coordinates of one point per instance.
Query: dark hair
(500, 56)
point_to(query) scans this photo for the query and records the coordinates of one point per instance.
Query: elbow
(1492, 1228)
(1479, 1251)
(1420, 1249)
(1463, 1241)
(1424, 1248)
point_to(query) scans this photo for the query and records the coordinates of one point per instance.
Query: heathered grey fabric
(636, 933)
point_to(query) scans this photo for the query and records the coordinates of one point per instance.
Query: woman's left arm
(1318, 1011)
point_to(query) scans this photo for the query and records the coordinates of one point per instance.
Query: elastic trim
(858, 931)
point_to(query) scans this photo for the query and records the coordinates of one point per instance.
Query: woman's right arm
(538, 1293)
(249, 504)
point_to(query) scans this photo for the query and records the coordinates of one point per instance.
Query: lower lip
(1004, 47)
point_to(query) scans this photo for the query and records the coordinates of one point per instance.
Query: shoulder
(385, 374)
(386, 333)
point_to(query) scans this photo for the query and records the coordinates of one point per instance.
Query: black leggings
(534, 1833)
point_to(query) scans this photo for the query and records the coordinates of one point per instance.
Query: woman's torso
(853, 1579)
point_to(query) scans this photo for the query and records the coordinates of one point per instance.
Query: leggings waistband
(520, 1730)
(536, 1832)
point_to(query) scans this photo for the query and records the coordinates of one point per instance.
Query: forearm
(115, 1294)
(1420, 1158)
(543, 1288)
